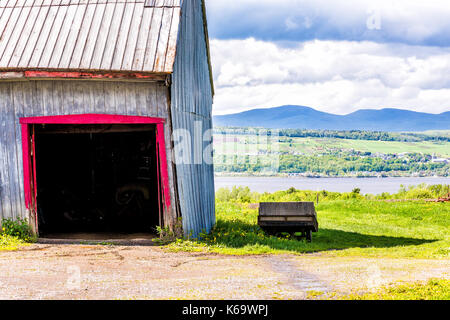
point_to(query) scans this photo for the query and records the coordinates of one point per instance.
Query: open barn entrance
(96, 178)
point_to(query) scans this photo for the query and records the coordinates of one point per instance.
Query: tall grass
(245, 195)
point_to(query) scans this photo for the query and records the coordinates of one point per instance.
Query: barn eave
(38, 74)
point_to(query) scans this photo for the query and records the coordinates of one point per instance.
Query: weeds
(10, 243)
(168, 235)
(17, 228)
(14, 234)
(434, 289)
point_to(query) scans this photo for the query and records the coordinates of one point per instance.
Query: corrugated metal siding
(105, 35)
(191, 106)
(43, 98)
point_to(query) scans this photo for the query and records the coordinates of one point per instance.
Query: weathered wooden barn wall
(110, 36)
(67, 97)
(192, 105)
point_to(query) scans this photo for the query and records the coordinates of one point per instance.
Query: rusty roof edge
(208, 50)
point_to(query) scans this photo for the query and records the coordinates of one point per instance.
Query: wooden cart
(291, 217)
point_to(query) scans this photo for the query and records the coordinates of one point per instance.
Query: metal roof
(87, 35)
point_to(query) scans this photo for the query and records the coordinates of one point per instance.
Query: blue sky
(336, 56)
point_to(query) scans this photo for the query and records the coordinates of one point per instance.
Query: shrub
(223, 195)
(17, 228)
(236, 194)
(420, 194)
(244, 194)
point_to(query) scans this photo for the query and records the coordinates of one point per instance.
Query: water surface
(367, 185)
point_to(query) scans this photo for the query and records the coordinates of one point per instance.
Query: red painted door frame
(28, 148)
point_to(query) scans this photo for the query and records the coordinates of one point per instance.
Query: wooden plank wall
(64, 97)
(192, 107)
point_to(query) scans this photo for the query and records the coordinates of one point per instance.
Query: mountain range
(300, 117)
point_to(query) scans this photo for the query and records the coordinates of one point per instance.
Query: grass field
(363, 228)
(441, 148)
(238, 144)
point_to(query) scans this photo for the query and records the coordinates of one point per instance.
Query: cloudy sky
(333, 55)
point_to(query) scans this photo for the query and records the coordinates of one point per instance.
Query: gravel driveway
(48, 271)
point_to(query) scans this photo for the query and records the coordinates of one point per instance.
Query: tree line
(339, 134)
(330, 165)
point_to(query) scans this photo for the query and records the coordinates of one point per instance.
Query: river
(367, 185)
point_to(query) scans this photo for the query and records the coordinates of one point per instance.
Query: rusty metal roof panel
(100, 35)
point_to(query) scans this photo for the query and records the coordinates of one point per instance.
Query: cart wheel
(309, 235)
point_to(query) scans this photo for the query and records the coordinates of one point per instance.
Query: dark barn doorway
(97, 178)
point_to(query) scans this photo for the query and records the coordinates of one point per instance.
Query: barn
(105, 115)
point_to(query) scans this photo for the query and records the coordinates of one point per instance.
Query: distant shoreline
(323, 177)
(340, 184)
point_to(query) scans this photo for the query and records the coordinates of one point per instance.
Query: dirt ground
(53, 271)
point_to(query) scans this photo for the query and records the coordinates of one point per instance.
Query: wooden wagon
(290, 217)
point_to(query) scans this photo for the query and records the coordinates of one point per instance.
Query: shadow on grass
(239, 235)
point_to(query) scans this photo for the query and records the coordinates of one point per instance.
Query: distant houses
(440, 160)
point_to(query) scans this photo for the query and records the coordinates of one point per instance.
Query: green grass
(238, 144)
(435, 289)
(427, 147)
(346, 228)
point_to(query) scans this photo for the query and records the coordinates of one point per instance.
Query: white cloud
(404, 21)
(291, 24)
(332, 76)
